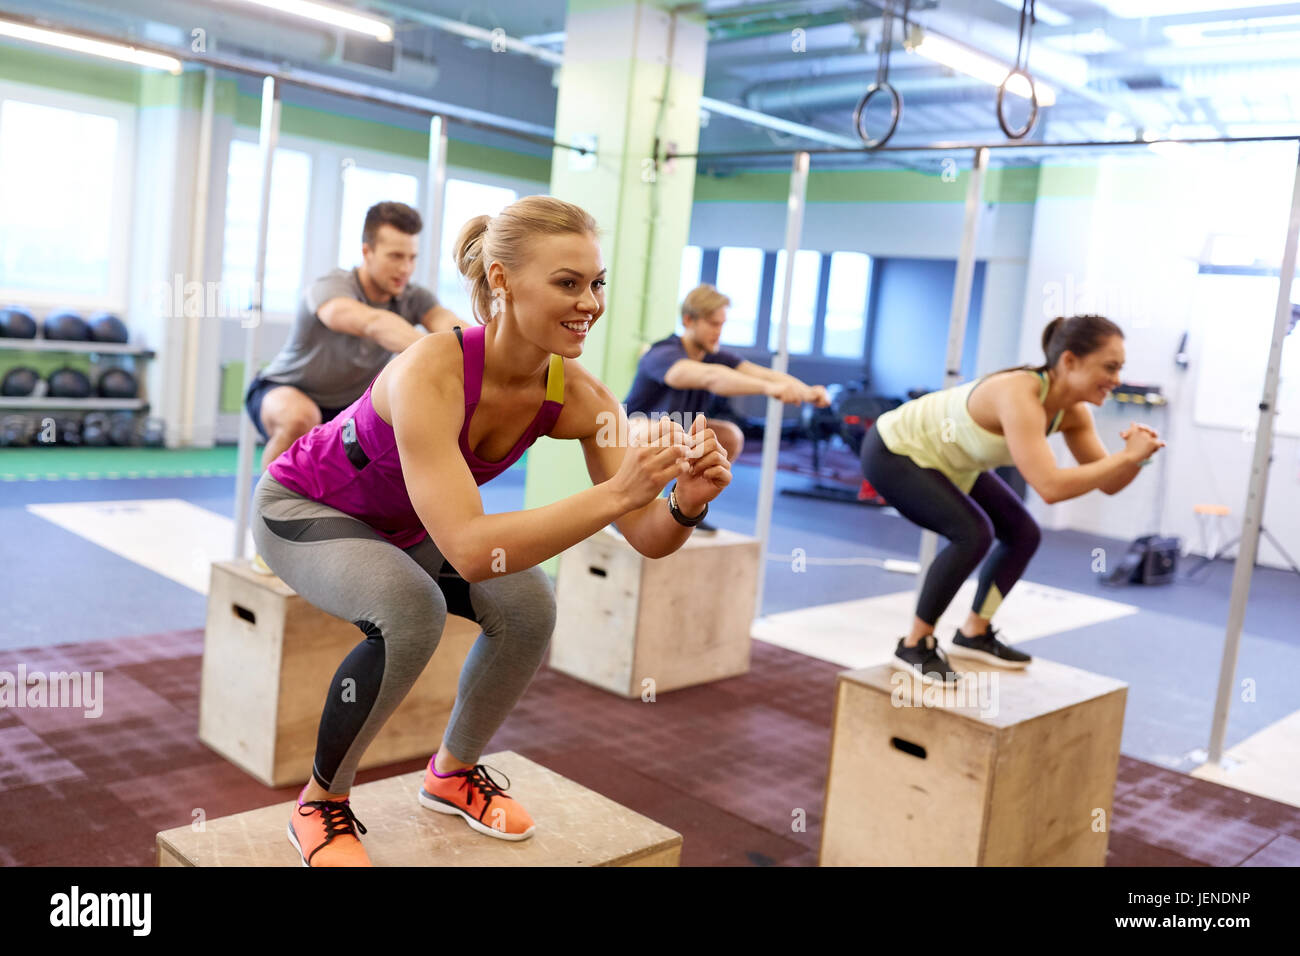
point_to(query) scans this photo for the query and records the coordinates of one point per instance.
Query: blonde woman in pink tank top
(376, 517)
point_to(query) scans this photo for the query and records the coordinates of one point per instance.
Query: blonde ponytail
(505, 238)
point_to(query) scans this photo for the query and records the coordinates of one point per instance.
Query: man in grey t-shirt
(349, 324)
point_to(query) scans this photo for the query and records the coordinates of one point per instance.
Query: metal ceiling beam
(1009, 144)
(553, 58)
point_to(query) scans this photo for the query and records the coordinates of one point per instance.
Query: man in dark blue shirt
(679, 374)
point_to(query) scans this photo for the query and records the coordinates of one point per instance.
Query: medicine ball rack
(80, 348)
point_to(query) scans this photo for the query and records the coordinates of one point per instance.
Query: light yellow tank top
(937, 431)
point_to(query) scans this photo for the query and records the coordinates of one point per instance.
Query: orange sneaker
(475, 795)
(328, 829)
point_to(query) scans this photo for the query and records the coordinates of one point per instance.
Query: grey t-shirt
(334, 368)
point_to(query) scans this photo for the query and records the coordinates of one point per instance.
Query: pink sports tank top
(351, 462)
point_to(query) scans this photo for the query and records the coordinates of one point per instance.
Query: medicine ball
(16, 430)
(66, 327)
(17, 323)
(117, 383)
(122, 429)
(69, 383)
(67, 431)
(20, 382)
(106, 327)
(154, 432)
(94, 429)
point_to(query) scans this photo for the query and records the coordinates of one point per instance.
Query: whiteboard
(1234, 315)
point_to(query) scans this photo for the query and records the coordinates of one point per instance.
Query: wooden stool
(1209, 522)
(268, 659)
(1022, 774)
(631, 624)
(575, 827)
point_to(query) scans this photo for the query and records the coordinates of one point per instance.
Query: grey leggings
(400, 599)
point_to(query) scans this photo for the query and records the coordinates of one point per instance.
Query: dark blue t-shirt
(650, 396)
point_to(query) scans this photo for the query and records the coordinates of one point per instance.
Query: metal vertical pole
(1249, 547)
(775, 407)
(198, 252)
(435, 188)
(268, 133)
(961, 289)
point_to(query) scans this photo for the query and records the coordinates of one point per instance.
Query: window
(362, 188)
(846, 305)
(58, 171)
(740, 278)
(286, 227)
(692, 260)
(692, 263)
(463, 201)
(803, 301)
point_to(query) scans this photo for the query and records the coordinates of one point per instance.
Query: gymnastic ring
(896, 110)
(1033, 105)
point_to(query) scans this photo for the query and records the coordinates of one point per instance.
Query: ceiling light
(79, 44)
(1094, 41)
(965, 60)
(334, 16)
(1233, 31)
(1042, 12)
(1141, 9)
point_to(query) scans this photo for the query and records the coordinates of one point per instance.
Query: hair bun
(1050, 330)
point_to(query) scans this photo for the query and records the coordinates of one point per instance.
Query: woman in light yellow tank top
(933, 459)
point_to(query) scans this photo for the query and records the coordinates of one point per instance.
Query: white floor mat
(865, 632)
(172, 537)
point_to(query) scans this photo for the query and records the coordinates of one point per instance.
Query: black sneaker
(989, 649)
(925, 660)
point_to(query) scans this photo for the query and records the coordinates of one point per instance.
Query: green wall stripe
(165, 90)
(345, 130)
(503, 162)
(46, 362)
(69, 72)
(1013, 184)
(231, 401)
(1068, 182)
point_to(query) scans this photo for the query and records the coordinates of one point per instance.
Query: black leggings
(927, 497)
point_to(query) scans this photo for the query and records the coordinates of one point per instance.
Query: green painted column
(632, 71)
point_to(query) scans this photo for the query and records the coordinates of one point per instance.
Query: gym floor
(110, 574)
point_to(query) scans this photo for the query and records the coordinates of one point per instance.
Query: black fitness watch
(677, 512)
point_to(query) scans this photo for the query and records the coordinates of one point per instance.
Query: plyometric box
(631, 624)
(574, 827)
(268, 658)
(1016, 769)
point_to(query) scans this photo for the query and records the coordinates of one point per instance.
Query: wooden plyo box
(1018, 772)
(574, 827)
(623, 619)
(268, 658)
